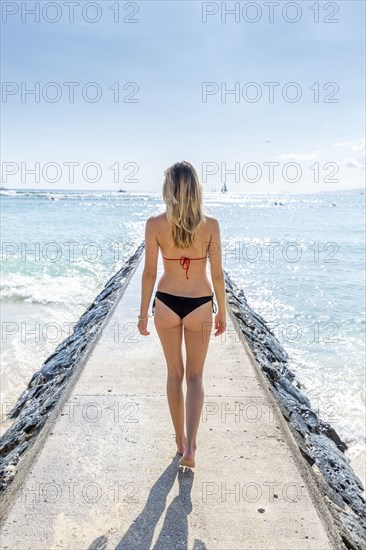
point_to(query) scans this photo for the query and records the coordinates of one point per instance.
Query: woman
(184, 298)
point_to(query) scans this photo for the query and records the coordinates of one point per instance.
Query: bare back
(174, 278)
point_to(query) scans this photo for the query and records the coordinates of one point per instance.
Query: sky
(269, 98)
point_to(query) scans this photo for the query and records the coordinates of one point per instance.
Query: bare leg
(169, 328)
(197, 338)
(176, 405)
(194, 402)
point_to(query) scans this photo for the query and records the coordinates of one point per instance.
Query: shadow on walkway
(174, 532)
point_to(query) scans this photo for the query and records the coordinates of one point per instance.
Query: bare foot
(188, 458)
(180, 445)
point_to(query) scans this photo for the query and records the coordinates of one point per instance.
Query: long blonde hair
(182, 193)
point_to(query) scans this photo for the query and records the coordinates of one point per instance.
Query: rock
(46, 386)
(318, 441)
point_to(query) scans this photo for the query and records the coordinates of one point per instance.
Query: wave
(46, 289)
(74, 195)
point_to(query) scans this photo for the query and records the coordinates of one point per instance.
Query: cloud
(360, 146)
(299, 156)
(343, 144)
(356, 158)
(351, 163)
(355, 151)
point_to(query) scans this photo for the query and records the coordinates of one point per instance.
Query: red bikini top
(184, 262)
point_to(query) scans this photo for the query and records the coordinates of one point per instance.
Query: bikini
(182, 305)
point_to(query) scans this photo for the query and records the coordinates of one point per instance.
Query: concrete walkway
(107, 475)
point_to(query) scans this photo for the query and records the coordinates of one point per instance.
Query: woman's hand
(220, 323)
(142, 326)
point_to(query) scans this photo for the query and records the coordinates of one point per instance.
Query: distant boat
(122, 191)
(52, 197)
(224, 188)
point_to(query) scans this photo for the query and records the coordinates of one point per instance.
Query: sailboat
(224, 188)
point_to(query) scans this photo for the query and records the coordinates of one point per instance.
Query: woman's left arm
(150, 269)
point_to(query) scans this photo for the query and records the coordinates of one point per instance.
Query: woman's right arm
(217, 273)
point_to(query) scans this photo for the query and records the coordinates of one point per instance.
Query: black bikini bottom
(182, 305)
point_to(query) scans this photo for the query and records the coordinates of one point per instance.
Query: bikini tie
(185, 262)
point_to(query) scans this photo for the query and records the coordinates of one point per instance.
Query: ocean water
(298, 257)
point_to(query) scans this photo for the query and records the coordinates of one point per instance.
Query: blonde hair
(182, 193)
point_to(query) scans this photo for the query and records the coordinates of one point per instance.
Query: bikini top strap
(185, 257)
(185, 262)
